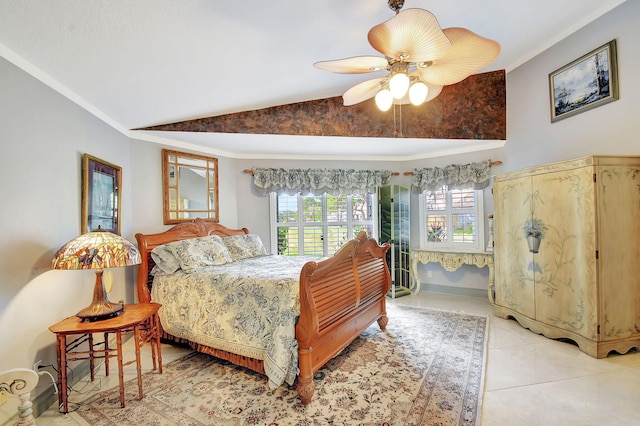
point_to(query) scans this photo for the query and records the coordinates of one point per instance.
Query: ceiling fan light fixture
(418, 93)
(416, 50)
(399, 84)
(384, 100)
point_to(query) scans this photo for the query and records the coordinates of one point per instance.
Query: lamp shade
(96, 250)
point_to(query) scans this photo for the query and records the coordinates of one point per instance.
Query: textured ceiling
(147, 62)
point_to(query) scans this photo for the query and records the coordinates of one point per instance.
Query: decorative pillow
(244, 246)
(164, 259)
(202, 251)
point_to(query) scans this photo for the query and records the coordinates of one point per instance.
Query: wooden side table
(140, 319)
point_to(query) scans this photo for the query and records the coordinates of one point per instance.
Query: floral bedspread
(248, 307)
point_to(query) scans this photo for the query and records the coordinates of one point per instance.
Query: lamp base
(100, 308)
(100, 312)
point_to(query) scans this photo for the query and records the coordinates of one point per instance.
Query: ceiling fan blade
(469, 53)
(354, 65)
(412, 32)
(361, 92)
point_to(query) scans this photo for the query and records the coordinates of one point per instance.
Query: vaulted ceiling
(142, 63)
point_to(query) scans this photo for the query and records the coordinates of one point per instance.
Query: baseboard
(458, 291)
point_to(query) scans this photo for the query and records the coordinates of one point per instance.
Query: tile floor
(530, 380)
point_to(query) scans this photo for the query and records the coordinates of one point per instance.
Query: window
(452, 219)
(318, 225)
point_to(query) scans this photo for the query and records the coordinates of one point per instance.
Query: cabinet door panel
(619, 251)
(565, 266)
(514, 278)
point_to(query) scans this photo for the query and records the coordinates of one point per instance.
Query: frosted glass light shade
(384, 99)
(418, 93)
(398, 85)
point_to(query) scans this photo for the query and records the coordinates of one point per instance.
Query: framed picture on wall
(100, 195)
(584, 84)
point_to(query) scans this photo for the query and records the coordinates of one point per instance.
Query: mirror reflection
(190, 185)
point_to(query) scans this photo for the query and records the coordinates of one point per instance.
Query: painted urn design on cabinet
(534, 231)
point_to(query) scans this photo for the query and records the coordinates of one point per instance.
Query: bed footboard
(340, 297)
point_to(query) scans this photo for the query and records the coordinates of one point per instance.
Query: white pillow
(164, 259)
(202, 251)
(244, 246)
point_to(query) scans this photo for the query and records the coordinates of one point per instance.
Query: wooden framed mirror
(190, 185)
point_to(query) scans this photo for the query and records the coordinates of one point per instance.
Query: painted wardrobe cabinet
(583, 280)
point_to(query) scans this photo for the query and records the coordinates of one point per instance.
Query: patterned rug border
(100, 402)
(487, 318)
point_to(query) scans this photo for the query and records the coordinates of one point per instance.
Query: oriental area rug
(427, 368)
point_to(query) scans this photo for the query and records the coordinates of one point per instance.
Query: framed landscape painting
(100, 195)
(586, 83)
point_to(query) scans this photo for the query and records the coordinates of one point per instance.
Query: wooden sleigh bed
(340, 297)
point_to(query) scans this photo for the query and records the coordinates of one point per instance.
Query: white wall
(146, 163)
(610, 129)
(42, 139)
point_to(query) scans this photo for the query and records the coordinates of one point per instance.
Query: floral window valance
(319, 181)
(454, 176)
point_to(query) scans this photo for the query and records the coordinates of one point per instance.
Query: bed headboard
(183, 231)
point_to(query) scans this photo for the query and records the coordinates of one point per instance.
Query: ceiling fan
(419, 57)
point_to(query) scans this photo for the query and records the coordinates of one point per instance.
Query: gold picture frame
(586, 83)
(101, 196)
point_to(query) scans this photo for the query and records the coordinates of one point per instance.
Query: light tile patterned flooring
(530, 380)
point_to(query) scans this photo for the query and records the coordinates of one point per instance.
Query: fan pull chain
(397, 124)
